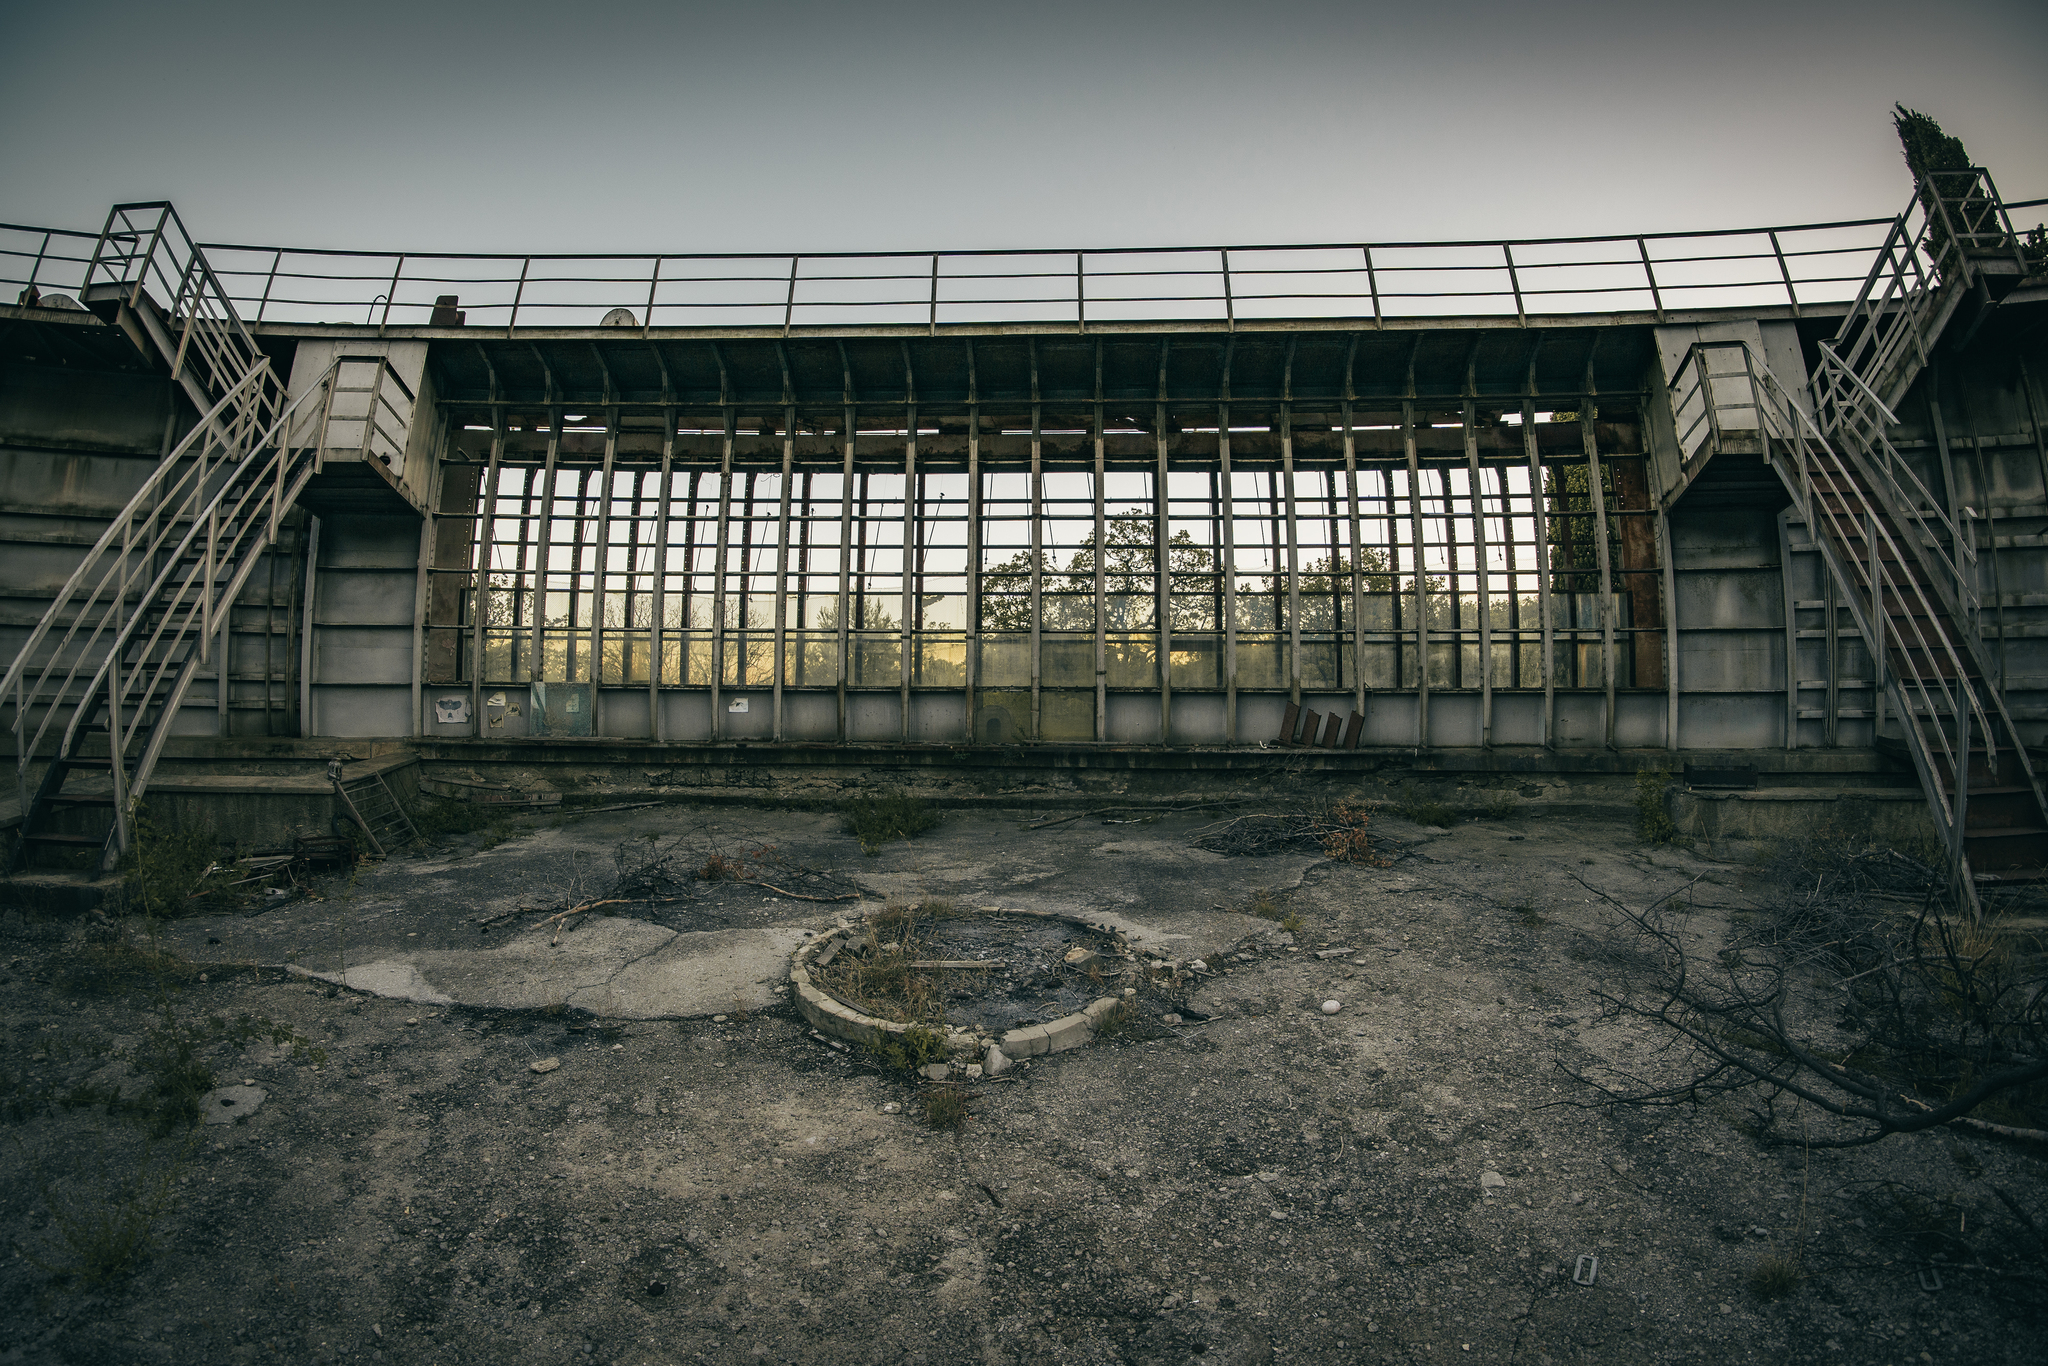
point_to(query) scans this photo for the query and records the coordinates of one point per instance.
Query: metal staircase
(1904, 564)
(96, 688)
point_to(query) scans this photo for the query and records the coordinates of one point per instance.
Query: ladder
(369, 801)
(1905, 567)
(101, 677)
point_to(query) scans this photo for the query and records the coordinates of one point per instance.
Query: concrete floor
(1411, 1179)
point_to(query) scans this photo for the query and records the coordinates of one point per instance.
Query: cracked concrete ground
(1407, 1180)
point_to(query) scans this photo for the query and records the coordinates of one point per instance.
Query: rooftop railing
(1657, 274)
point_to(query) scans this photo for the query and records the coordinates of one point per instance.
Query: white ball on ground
(1332, 1007)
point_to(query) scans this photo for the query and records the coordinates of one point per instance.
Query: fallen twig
(1984, 1126)
(799, 896)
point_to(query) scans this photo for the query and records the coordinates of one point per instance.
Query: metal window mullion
(656, 646)
(973, 562)
(1470, 422)
(543, 519)
(845, 561)
(1415, 565)
(482, 592)
(1542, 530)
(1671, 629)
(1037, 563)
(1101, 592)
(912, 506)
(719, 568)
(601, 554)
(782, 563)
(1226, 508)
(1357, 567)
(1599, 497)
(1791, 612)
(1293, 558)
(1162, 587)
(422, 572)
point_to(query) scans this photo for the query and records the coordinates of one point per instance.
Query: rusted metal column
(718, 572)
(1473, 472)
(480, 604)
(1357, 571)
(782, 561)
(973, 561)
(1542, 520)
(601, 554)
(1227, 510)
(1162, 567)
(1293, 557)
(542, 536)
(845, 562)
(912, 510)
(1101, 579)
(1598, 493)
(1416, 564)
(1037, 562)
(1671, 629)
(656, 646)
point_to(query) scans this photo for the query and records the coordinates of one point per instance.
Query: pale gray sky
(805, 125)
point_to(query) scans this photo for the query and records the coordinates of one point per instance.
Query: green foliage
(100, 1232)
(172, 1055)
(1653, 822)
(163, 869)
(912, 1048)
(1571, 526)
(876, 821)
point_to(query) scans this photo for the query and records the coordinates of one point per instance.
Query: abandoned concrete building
(1769, 502)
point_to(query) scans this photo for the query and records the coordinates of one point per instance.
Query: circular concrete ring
(829, 1015)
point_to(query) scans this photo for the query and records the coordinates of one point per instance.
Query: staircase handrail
(193, 499)
(1917, 276)
(1780, 418)
(145, 245)
(174, 466)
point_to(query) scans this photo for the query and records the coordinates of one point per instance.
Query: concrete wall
(75, 446)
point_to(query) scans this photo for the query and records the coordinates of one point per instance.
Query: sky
(801, 125)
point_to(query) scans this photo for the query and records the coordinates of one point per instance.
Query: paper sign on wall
(738, 704)
(451, 711)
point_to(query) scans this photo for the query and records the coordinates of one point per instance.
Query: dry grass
(945, 1109)
(1774, 1277)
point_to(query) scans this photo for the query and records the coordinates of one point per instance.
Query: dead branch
(1929, 1005)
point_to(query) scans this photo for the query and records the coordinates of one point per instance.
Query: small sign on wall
(451, 711)
(737, 705)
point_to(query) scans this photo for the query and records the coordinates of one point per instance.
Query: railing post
(1649, 274)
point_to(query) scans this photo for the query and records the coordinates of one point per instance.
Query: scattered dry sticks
(1336, 831)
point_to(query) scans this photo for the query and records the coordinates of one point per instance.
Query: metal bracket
(1587, 1271)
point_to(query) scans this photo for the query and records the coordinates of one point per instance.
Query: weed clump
(883, 975)
(98, 1234)
(163, 870)
(876, 821)
(945, 1109)
(1266, 906)
(911, 1049)
(1774, 1277)
(1653, 822)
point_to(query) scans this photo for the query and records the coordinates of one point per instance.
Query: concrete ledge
(1896, 816)
(832, 1016)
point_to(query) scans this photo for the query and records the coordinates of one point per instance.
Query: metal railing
(1930, 260)
(1922, 638)
(1655, 274)
(146, 260)
(136, 618)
